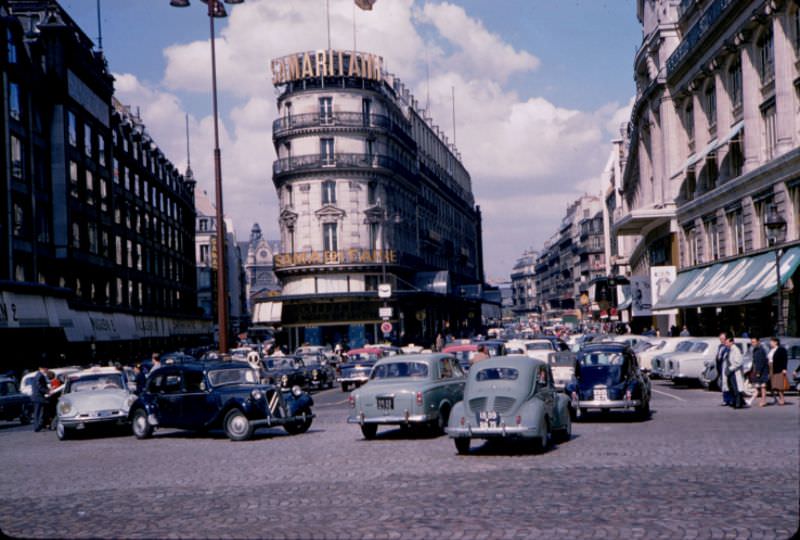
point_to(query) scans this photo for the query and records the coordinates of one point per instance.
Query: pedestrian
(156, 363)
(40, 390)
(439, 343)
(733, 382)
(139, 379)
(482, 354)
(760, 371)
(685, 332)
(778, 360)
(719, 360)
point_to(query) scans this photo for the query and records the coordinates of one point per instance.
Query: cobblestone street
(695, 470)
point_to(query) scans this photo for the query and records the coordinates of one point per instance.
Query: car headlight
(314, 373)
(256, 394)
(65, 408)
(297, 391)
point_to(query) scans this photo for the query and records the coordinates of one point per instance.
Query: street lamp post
(216, 9)
(773, 225)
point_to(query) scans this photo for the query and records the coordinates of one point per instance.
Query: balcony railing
(286, 124)
(696, 33)
(339, 161)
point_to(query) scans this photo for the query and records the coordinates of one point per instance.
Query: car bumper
(268, 422)
(359, 380)
(608, 404)
(500, 431)
(406, 418)
(82, 422)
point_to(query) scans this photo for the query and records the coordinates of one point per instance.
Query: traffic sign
(384, 290)
(386, 327)
(385, 312)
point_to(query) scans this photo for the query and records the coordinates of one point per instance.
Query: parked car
(406, 390)
(61, 373)
(510, 397)
(609, 377)
(540, 348)
(318, 372)
(563, 366)
(689, 367)
(14, 405)
(465, 351)
(356, 370)
(659, 361)
(287, 371)
(204, 396)
(658, 346)
(98, 397)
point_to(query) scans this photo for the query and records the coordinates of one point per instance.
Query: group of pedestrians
(768, 368)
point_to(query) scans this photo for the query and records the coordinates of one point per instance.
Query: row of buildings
(103, 252)
(703, 190)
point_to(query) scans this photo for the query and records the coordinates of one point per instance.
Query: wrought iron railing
(339, 119)
(339, 161)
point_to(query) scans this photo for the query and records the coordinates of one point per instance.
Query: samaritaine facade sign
(322, 63)
(347, 256)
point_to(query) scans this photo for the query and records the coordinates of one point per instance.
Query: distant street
(696, 470)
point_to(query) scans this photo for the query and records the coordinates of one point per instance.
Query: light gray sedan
(405, 390)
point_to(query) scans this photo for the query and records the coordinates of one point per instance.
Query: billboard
(641, 303)
(661, 278)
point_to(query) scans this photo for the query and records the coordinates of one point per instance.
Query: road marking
(668, 395)
(331, 404)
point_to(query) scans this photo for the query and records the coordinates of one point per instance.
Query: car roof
(100, 370)
(425, 357)
(607, 345)
(516, 361)
(461, 348)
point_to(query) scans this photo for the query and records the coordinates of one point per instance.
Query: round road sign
(386, 327)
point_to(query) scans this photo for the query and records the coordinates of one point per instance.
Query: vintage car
(406, 390)
(13, 403)
(465, 351)
(658, 346)
(227, 395)
(355, 371)
(539, 349)
(563, 366)
(93, 398)
(609, 377)
(60, 373)
(510, 397)
(318, 371)
(659, 364)
(689, 367)
(286, 372)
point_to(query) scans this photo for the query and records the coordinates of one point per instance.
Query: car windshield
(311, 361)
(601, 358)
(396, 370)
(105, 381)
(562, 360)
(221, 377)
(497, 374)
(699, 347)
(684, 346)
(539, 346)
(514, 350)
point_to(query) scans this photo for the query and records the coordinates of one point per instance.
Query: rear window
(497, 374)
(541, 346)
(701, 347)
(396, 370)
(601, 359)
(684, 346)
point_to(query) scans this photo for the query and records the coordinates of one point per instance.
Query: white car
(658, 346)
(93, 397)
(539, 349)
(26, 384)
(689, 367)
(658, 366)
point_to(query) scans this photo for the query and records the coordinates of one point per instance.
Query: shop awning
(741, 281)
(267, 312)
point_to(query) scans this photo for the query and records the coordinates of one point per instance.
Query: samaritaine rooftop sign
(322, 63)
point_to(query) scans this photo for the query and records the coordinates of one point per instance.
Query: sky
(541, 88)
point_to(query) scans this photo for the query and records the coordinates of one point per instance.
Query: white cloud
(527, 156)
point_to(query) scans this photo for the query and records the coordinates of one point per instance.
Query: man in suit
(722, 353)
(41, 388)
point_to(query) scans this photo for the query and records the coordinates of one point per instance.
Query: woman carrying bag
(778, 361)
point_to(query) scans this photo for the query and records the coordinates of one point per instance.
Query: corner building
(370, 192)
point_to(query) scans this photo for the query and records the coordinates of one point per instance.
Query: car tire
(542, 444)
(140, 426)
(369, 431)
(462, 445)
(301, 426)
(345, 387)
(62, 432)
(565, 434)
(237, 426)
(440, 423)
(643, 411)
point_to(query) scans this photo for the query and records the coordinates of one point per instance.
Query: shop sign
(322, 63)
(345, 256)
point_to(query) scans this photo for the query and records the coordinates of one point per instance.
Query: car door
(545, 390)
(169, 390)
(197, 405)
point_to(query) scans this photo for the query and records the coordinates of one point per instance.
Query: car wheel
(565, 434)
(237, 426)
(62, 432)
(345, 387)
(369, 431)
(643, 411)
(542, 444)
(582, 415)
(141, 428)
(301, 426)
(462, 445)
(441, 421)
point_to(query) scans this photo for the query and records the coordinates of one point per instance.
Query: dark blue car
(608, 377)
(228, 395)
(13, 403)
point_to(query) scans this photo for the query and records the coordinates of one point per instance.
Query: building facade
(715, 158)
(523, 285)
(260, 278)
(371, 192)
(96, 231)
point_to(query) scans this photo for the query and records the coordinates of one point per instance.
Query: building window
(101, 150)
(204, 250)
(203, 225)
(712, 239)
(104, 244)
(126, 178)
(711, 106)
(372, 193)
(688, 122)
(770, 130)
(76, 236)
(44, 227)
(289, 195)
(103, 194)
(115, 170)
(736, 227)
(89, 187)
(16, 158)
(91, 235)
(735, 83)
(766, 59)
(329, 192)
(120, 286)
(87, 140)
(692, 252)
(19, 220)
(129, 252)
(72, 129)
(73, 178)
(135, 184)
(325, 110)
(796, 25)
(736, 157)
(14, 104)
(12, 46)
(329, 237)
(690, 185)
(118, 249)
(326, 151)
(138, 256)
(146, 191)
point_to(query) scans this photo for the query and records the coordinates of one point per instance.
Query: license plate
(489, 419)
(385, 402)
(600, 395)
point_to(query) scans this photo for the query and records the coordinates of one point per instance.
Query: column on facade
(784, 88)
(724, 111)
(751, 95)
(671, 144)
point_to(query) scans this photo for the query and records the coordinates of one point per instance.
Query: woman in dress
(760, 370)
(778, 360)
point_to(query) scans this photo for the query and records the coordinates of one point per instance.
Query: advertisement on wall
(641, 303)
(661, 278)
